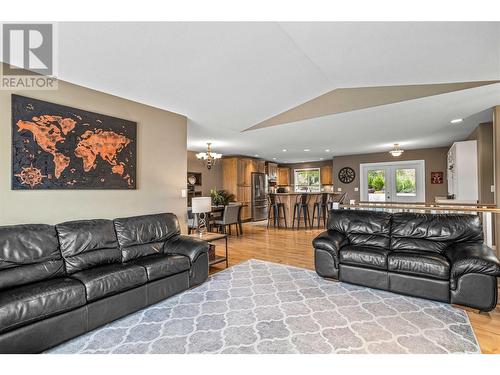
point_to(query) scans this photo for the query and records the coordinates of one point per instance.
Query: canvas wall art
(59, 147)
(437, 177)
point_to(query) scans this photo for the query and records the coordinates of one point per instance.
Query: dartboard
(347, 175)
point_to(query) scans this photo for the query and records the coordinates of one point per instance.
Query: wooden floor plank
(294, 248)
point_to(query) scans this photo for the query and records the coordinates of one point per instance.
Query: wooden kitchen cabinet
(260, 166)
(326, 175)
(272, 171)
(283, 176)
(237, 179)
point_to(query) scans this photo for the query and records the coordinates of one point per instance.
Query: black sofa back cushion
(28, 253)
(88, 243)
(140, 236)
(362, 228)
(433, 232)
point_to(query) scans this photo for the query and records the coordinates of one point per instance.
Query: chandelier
(208, 158)
(396, 151)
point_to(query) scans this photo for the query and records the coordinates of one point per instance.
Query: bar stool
(335, 198)
(276, 207)
(301, 208)
(320, 208)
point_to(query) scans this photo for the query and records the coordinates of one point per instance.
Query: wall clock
(347, 175)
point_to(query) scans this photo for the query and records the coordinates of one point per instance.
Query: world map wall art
(59, 147)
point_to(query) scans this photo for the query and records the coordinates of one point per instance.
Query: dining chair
(229, 218)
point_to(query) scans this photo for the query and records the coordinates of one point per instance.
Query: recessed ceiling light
(320, 158)
(327, 150)
(306, 150)
(284, 150)
(256, 155)
(457, 120)
(274, 158)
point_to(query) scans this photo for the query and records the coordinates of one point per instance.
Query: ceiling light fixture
(284, 150)
(457, 120)
(396, 151)
(208, 158)
(327, 150)
(306, 150)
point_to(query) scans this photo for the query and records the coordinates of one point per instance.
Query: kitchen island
(289, 200)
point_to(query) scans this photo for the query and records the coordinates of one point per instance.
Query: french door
(400, 181)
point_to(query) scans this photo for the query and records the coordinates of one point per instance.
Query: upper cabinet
(272, 171)
(283, 176)
(326, 175)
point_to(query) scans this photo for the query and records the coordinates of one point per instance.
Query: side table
(210, 237)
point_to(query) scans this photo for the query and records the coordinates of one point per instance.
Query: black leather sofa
(58, 282)
(439, 257)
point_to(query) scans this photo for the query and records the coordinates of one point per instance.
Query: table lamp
(200, 206)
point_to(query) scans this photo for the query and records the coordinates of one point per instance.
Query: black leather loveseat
(440, 257)
(58, 282)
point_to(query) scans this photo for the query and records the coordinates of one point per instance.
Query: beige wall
(435, 161)
(210, 179)
(483, 134)
(161, 164)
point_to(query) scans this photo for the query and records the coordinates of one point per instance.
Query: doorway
(399, 181)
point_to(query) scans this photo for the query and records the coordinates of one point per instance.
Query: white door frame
(420, 178)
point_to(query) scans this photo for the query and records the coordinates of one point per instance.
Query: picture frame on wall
(437, 177)
(60, 147)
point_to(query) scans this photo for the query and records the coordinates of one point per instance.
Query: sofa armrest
(187, 246)
(331, 241)
(472, 258)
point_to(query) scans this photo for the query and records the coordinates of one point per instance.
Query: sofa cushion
(88, 243)
(29, 303)
(111, 279)
(433, 233)
(145, 235)
(364, 256)
(28, 253)
(423, 264)
(363, 228)
(161, 265)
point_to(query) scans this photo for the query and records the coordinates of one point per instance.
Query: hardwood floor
(294, 248)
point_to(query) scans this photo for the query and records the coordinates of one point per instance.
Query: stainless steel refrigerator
(259, 196)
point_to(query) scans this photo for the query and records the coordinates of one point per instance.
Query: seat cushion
(32, 302)
(423, 264)
(161, 265)
(110, 279)
(364, 256)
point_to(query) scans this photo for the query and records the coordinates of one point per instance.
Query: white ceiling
(226, 77)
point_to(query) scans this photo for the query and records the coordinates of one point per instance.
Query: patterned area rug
(261, 307)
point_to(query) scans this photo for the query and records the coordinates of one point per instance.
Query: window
(406, 184)
(307, 180)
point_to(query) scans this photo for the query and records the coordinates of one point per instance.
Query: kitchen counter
(294, 193)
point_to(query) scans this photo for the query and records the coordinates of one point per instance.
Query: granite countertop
(296, 193)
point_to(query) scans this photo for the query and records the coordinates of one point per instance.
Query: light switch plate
(339, 189)
(492, 188)
(356, 189)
